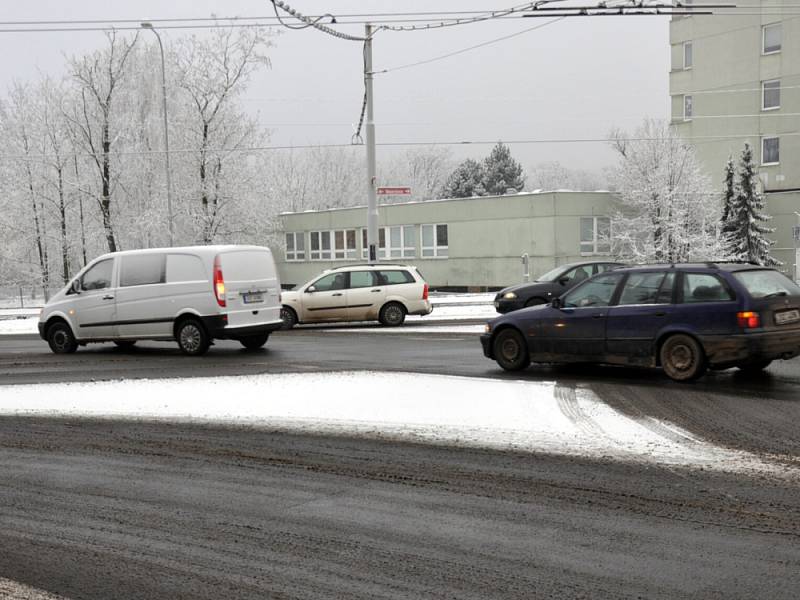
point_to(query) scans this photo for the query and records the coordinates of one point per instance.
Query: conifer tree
(502, 172)
(465, 181)
(747, 217)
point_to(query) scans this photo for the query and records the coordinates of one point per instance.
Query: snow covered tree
(424, 170)
(746, 218)
(729, 197)
(465, 181)
(501, 172)
(668, 212)
(555, 176)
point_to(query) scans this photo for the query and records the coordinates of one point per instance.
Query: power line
(603, 140)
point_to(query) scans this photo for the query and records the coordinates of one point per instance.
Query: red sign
(394, 191)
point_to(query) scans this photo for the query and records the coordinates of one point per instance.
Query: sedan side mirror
(310, 289)
(563, 280)
(556, 303)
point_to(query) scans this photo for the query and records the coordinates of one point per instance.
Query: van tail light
(748, 320)
(425, 292)
(219, 283)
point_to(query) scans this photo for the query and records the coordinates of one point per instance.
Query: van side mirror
(310, 289)
(75, 288)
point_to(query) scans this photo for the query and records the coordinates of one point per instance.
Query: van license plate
(252, 298)
(787, 316)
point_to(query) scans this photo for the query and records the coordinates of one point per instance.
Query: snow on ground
(17, 326)
(516, 415)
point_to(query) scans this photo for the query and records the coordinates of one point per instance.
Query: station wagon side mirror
(310, 289)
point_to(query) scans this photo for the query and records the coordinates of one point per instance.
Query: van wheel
(682, 358)
(192, 338)
(125, 343)
(61, 339)
(392, 314)
(254, 342)
(289, 317)
(511, 351)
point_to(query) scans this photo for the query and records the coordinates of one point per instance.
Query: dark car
(684, 318)
(550, 285)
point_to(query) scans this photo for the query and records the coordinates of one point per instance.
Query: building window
(687, 108)
(771, 94)
(770, 151)
(771, 37)
(401, 241)
(687, 55)
(381, 243)
(434, 241)
(320, 245)
(344, 244)
(595, 235)
(295, 246)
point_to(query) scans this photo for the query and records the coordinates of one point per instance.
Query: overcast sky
(576, 78)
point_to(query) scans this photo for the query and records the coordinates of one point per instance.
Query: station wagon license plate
(787, 316)
(252, 298)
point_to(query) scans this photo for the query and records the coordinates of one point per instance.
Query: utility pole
(372, 202)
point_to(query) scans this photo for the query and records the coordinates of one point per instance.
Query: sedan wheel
(682, 358)
(511, 351)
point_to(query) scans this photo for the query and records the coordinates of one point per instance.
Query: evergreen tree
(502, 172)
(727, 225)
(465, 182)
(747, 217)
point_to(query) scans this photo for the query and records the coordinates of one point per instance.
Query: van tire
(125, 344)
(254, 342)
(193, 340)
(682, 358)
(392, 314)
(61, 339)
(289, 317)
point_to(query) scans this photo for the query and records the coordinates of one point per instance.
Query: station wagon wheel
(254, 342)
(289, 317)
(61, 339)
(192, 338)
(392, 315)
(682, 358)
(511, 351)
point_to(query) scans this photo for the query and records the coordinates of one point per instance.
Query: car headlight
(509, 296)
(487, 328)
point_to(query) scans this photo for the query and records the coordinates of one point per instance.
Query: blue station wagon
(684, 318)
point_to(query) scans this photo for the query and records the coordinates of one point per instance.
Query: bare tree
(213, 71)
(99, 76)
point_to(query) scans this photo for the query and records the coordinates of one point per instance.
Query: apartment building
(735, 78)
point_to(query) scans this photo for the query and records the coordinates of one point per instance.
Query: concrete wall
(486, 235)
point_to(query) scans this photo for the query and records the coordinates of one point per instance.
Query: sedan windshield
(767, 283)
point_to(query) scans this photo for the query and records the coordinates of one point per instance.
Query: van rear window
(762, 283)
(247, 265)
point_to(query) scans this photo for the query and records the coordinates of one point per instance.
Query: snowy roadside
(453, 307)
(511, 415)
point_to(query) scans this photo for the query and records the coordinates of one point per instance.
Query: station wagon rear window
(395, 277)
(767, 283)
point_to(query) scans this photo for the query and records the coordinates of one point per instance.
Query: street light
(796, 236)
(149, 26)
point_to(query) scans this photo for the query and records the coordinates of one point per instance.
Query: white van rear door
(251, 287)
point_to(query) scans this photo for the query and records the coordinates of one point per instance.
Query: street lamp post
(149, 26)
(796, 237)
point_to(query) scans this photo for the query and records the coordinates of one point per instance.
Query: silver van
(191, 295)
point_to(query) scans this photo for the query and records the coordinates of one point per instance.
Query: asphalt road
(99, 509)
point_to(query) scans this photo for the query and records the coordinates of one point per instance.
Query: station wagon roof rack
(382, 264)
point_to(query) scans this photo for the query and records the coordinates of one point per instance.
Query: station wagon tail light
(748, 320)
(219, 283)
(425, 292)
